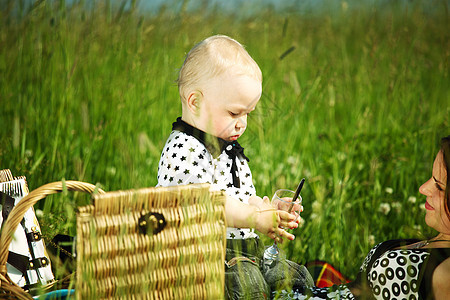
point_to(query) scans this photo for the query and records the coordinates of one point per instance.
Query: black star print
(228, 165)
(247, 193)
(177, 168)
(215, 181)
(222, 173)
(183, 158)
(199, 176)
(191, 149)
(237, 192)
(204, 170)
(186, 171)
(177, 137)
(201, 156)
(247, 175)
(232, 235)
(165, 177)
(180, 145)
(180, 181)
(242, 162)
(242, 233)
(229, 185)
(174, 155)
(171, 179)
(195, 163)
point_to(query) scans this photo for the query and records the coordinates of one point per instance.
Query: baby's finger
(283, 233)
(290, 225)
(286, 217)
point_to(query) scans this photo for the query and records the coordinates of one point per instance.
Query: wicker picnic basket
(153, 243)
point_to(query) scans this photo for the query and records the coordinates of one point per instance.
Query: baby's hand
(269, 220)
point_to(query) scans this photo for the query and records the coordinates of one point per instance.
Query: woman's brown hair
(445, 148)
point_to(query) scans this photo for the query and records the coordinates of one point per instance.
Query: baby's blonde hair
(213, 57)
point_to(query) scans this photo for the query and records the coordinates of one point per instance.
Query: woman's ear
(194, 100)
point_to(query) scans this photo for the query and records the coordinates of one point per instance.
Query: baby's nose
(241, 123)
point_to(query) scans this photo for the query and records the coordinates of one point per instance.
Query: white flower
(291, 160)
(316, 206)
(412, 199)
(111, 171)
(341, 156)
(28, 153)
(371, 240)
(385, 208)
(307, 173)
(389, 190)
(397, 206)
(39, 213)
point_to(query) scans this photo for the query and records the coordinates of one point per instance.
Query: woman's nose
(424, 188)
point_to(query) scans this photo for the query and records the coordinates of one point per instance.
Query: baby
(219, 85)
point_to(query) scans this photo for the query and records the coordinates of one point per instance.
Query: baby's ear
(194, 100)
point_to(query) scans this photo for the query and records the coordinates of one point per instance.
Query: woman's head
(437, 191)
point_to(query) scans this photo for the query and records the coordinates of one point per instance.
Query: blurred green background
(355, 99)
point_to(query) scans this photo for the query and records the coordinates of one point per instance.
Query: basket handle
(18, 212)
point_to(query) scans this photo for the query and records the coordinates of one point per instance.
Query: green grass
(357, 108)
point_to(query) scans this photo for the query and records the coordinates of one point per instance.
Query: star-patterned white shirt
(186, 160)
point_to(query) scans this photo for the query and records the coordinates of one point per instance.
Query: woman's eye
(439, 187)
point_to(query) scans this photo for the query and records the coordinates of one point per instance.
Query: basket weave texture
(116, 259)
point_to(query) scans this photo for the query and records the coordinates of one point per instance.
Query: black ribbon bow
(215, 145)
(233, 150)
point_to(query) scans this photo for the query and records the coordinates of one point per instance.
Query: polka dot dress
(186, 160)
(394, 275)
(391, 274)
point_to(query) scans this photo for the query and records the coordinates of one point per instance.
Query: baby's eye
(233, 114)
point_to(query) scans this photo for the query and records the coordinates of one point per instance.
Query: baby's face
(227, 101)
